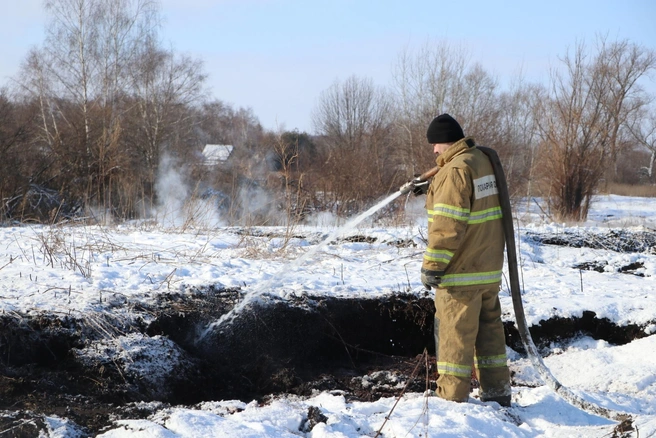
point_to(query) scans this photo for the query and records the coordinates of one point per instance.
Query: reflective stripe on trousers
(469, 331)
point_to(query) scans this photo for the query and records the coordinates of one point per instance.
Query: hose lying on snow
(518, 306)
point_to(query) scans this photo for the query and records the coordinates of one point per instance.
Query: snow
(92, 270)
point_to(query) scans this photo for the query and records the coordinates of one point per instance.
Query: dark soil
(362, 347)
(611, 240)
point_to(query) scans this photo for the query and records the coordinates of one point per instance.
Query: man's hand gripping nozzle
(419, 184)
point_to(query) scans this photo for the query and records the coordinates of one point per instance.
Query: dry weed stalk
(57, 251)
(423, 357)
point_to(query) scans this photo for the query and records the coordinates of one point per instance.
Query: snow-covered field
(80, 270)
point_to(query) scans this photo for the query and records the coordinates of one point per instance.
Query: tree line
(99, 107)
(592, 123)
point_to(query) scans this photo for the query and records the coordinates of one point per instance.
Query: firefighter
(463, 262)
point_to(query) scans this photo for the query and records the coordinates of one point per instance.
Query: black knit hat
(444, 129)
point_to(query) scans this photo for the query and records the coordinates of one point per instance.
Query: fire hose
(515, 292)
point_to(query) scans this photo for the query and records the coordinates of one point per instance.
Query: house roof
(214, 154)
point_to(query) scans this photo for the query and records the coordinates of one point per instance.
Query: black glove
(419, 187)
(430, 279)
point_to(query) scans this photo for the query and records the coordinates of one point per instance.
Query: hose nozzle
(410, 185)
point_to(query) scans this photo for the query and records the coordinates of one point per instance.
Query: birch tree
(102, 80)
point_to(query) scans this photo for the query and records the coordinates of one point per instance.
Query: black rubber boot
(503, 400)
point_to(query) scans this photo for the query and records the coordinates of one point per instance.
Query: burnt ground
(53, 365)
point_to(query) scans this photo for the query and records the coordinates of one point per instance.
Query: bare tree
(624, 64)
(124, 27)
(644, 133)
(426, 83)
(14, 131)
(348, 111)
(513, 133)
(582, 124)
(221, 123)
(103, 84)
(354, 122)
(164, 86)
(475, 101)
(78, 77)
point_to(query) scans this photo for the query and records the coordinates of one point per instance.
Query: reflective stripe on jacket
(465, 235)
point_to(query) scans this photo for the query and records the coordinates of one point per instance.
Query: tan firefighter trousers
(469, 331)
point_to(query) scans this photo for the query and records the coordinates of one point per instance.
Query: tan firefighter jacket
(465, 235)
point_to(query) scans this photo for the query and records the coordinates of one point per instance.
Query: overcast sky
(276, 56)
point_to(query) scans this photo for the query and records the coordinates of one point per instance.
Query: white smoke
(178, 206)
(323, 219)
(256, 205)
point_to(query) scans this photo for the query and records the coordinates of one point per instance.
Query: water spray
(252, 295)
(352, 223)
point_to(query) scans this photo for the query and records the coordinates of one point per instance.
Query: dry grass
(644, 191)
